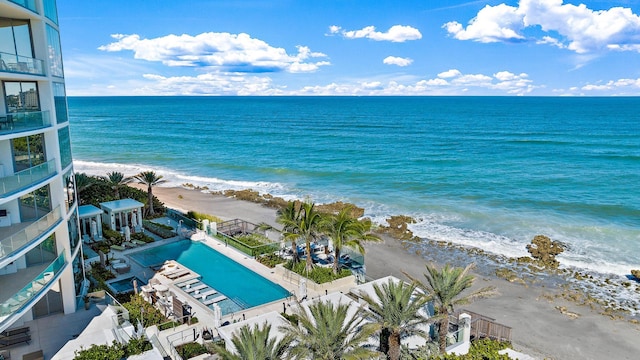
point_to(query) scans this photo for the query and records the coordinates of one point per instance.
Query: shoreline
(545, 323)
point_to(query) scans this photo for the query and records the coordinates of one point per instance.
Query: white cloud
(492, 24)
(615, 85)
(502, 82)
(576, 28)
(449, 74)
(396, 33)
(222, 51)
(394, 60)
(209, 84)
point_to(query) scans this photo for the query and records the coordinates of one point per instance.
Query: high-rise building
(40, 260)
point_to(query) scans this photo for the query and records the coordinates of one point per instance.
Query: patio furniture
(121, 268)
(14, 339)
(118, 247)
(36, 355)
(15, 331)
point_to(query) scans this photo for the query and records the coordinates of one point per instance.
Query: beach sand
(539, 328)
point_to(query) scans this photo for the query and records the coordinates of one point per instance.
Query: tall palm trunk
(443, 330)
(336, 261)
(385, 333)
(309, 266)
(394, 346)
(150, 199)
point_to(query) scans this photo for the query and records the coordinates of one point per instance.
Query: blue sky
(349, 47)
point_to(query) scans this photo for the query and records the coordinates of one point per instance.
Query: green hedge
(319, 275)
(158, 230)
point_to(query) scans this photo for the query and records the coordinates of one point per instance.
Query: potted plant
(87, 302)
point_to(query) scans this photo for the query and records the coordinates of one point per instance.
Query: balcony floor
(6, 231)
(12, 283)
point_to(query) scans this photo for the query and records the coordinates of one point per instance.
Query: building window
(44, 253)
(74, 234)
(28, 152)
(65, 147)
(60, 100)
(55, 52)
(35, 205)
(50, 10)
(29, 4)
(15, 42)
(21, 96)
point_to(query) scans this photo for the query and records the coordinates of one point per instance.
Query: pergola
(90, 221)
(121, 213)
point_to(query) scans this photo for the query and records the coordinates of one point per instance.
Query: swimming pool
(125, 285)
(241, 285)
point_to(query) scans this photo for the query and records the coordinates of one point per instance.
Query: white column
(99, 222)
(67, 289)
(140, 217)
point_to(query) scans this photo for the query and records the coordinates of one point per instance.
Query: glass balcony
(23, 121)
(18, 300)
(19, 235)
(28, 4)
(25, 178)
(21, 64)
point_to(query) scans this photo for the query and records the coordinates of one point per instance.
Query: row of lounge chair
(128, 245)
(14, 336)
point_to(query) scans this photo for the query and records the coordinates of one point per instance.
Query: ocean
(486, 172)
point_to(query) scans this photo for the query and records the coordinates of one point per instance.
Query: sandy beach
(539, 328)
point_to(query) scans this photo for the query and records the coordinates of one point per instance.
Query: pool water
(243, 287)
(125, 285)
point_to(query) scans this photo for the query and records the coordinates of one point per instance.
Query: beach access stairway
(484, 326)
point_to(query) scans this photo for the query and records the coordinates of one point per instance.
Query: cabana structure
(90, 221)
(120, 213)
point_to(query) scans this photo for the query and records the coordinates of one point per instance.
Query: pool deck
(204, 314)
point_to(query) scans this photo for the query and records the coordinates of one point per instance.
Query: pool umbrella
(135, 286)
(127, 233)
(217, 315)
(94, 229)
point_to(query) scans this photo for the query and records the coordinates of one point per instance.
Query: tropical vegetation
(116, 180)
(150, 179)
(446, 286)
(345, 230)
(255, 343)
(300, 220)
(328, 332)
(398, 312)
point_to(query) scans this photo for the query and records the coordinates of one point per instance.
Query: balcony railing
(23, 121)
(29, 4)
(21, 64)
(23, 297)
(32, 232)
(25, 178)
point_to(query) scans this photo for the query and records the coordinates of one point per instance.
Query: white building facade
(40, 256)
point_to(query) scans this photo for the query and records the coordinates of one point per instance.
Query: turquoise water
(229, 278)
(125, 285)
(488, 172)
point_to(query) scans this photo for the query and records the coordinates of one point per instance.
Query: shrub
(270, 260)
(142, 237)
(319, 275)
(191, 349)
(200, 216)
(115, 351)
(480, 350)
(158, 229)
(152, 316)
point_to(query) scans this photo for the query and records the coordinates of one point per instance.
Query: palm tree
(287, 216)
(151, 179)
(116, 180)
(446, 287)
(255, 344)
(327, 332)
(301, 221)
(83, 182)
(398, 312)
(345, 230)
